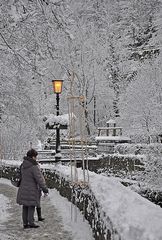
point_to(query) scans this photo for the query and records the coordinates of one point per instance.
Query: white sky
(133, 216)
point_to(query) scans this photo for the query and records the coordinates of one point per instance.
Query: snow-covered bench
(112, 139)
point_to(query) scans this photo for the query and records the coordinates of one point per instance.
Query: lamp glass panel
(57, 86)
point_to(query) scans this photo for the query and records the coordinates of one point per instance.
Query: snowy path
(51, 229)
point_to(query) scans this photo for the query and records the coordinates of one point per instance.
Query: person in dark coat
(28, 194)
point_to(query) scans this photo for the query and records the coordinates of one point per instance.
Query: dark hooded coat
(31, 182)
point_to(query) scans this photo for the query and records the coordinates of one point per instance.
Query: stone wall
(83, 198)
(116, 165)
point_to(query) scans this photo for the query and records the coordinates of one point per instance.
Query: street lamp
(57, 89)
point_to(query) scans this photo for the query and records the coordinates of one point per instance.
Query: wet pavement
(51, 229)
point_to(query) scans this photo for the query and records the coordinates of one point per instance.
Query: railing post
(107, 132)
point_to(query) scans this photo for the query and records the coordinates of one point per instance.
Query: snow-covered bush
(138, 148)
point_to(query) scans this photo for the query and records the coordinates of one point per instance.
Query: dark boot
(39, 214)
(26, 226)
(33, 226)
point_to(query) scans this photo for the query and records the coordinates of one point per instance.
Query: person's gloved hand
(45, 194)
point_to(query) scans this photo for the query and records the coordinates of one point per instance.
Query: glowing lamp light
(57, 86)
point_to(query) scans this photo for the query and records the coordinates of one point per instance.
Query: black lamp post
(57, 88)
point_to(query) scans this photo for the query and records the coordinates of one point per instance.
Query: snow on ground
(71, 216)
(80, 229)
(133, 216)
(4, 203)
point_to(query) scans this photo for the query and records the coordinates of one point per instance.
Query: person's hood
(28, 162)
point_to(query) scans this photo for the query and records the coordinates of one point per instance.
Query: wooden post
(114, 130)
(94, 111)
(107, 132)
(120, 131)
(99, 132)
